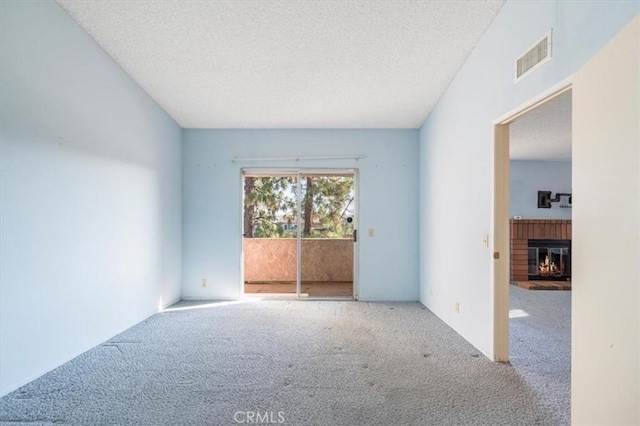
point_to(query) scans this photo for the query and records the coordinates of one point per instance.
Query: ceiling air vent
(534, 57)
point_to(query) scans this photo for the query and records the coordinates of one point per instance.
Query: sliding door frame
(297, 172)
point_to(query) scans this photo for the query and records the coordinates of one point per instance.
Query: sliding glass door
(327, 235)
(270, 233)
(299, 233)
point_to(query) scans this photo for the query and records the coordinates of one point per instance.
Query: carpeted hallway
(307, 363)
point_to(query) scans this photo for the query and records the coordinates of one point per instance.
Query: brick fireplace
(529, 236)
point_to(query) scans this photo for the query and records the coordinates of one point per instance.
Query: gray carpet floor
(309, 363)
(540, 345)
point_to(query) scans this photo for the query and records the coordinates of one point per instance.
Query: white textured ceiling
(543, 133)
(289, 64)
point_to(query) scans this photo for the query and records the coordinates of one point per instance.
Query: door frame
(297, 172)
(500, 261)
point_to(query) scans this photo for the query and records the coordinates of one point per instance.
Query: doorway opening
(512, 230)
(299, 233)
(532, 240)
(537, 176)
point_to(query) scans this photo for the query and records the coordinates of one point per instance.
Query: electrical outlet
(204, 282)
(458, 307)
(485, 240)
(371, 232)
(430, 292)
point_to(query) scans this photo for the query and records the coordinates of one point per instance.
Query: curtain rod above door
(299, 158)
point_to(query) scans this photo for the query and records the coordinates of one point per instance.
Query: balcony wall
(274, 259)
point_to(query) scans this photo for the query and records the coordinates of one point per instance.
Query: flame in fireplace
(548, 268)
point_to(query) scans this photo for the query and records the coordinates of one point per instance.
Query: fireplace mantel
(523, 230)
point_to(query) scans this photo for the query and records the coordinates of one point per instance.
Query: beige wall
(605, 386)
(274, 259)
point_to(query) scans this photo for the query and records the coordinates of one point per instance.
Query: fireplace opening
(549, 260)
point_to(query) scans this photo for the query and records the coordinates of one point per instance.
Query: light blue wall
(388, 203)
(90, 226)
(526, 178)
(456, 147)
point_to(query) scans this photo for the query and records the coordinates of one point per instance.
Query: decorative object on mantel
(545, 200)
